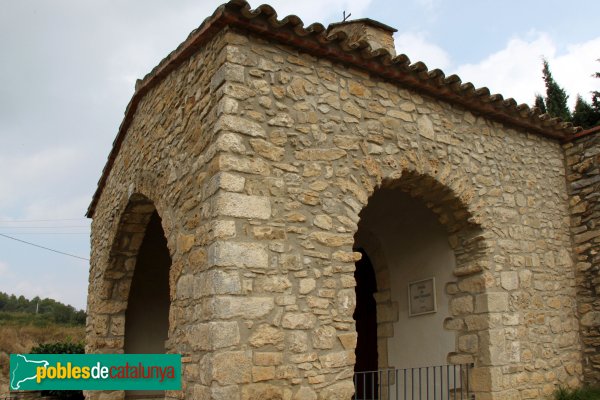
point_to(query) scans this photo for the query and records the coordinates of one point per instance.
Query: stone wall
(583, 177)
(318, 139)
(166, 163)
(259, 160)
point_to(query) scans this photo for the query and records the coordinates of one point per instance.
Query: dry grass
(16, 338)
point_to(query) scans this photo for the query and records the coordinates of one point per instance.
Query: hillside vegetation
(21, 328)
(38, 311)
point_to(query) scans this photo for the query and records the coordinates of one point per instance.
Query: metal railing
(443, 382)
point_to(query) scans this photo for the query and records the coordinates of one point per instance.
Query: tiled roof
(314, 40)
(587, 132)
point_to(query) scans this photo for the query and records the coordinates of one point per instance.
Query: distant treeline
(36, 310)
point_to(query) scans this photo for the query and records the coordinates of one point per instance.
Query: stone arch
(449, 195)
(138, 216)
(115, 278)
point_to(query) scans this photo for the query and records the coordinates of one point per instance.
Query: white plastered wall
(414, 246)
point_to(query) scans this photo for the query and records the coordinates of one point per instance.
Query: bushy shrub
(584, 393)
(65, 347)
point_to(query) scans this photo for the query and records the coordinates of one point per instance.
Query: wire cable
(42, 220)
(45, 227)
(46, 233)
(42, 247)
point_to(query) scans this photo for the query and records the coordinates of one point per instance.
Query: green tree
(556, 97)
(539, 103)
(584, 114)
(47, 310)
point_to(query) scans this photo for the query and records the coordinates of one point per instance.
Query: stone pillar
(583, 181)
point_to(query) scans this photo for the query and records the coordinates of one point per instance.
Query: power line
(45, 227)
(42, 220)
(46, 233)
(42, 247)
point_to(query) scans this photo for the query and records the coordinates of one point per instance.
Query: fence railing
(24, 395)
(443, 382)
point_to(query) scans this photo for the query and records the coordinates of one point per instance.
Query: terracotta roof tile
(590, 131)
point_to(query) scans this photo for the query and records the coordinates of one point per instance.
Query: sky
(68, 69)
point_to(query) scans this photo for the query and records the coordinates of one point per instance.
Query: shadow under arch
(466, 239)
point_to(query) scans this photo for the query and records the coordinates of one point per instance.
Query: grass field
(19, 337)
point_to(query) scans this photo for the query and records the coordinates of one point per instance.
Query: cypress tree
(539, 103)
(556, 97)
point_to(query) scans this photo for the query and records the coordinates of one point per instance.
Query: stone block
(267, 150)
(324, 337)
(332, 239)
(224, 392)
(266, 358)
(346, 302)
(461, 305)
(231, 123)
(216, 282)
(491, 302)
(323, 221)
(261, 373)
(338, 391)
(226, 181)
(227, 72)
(296, 341)
(213, 335)
(337, 359)
(224, 334)
(242, 206)
(590, 319)
(265, 335)
(298, 320)
(264, 391)
(468, 343)
(305, 393)
(230, 162)
(319, 154)
(225, 307)
(232, 367)
(306, 285)
(348, 340)
(509, 280)
(238, 254)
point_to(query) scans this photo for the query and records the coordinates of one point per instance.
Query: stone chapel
(302, 214)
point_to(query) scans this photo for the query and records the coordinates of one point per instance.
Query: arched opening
(418, 240)
(365, 315)
(147, 314)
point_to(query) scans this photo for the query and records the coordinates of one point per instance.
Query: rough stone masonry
(258, 142)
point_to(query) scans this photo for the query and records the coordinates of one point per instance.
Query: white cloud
(69, 207)
(573, 70)
(44, 286)
(516, 70)
(427, 4)
(34, 176)
(416, 46)
(4, 269)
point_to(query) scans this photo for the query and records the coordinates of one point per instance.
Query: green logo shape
(95, 372)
